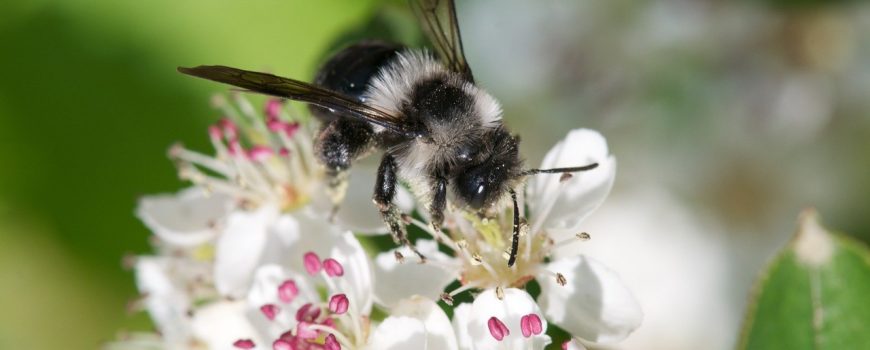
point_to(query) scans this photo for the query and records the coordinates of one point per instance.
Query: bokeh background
(727, 118)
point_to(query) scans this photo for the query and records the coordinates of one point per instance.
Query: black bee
(440, 133)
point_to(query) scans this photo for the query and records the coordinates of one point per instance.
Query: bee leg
(385, 191)
(340, 142)
(439, 202)
(515, 237)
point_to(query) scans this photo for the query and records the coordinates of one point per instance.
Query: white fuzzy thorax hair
(395, 83)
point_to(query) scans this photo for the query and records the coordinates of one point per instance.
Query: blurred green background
(744, 111)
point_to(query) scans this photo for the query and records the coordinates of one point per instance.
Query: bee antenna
(559, 170)
(515, 239)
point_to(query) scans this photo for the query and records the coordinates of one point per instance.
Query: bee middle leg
(439, 202)
(385, 192)
(339, 143)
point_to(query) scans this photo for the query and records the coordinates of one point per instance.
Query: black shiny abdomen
(350, 70)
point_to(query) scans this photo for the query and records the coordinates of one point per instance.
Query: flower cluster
(251, 257)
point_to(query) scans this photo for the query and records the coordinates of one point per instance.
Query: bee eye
(472, 186)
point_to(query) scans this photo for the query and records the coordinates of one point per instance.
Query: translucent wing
(438, 18)
(300, 91)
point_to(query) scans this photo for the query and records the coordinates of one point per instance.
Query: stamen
(582, 237)
(307, 313)
(282, 344)
(497, 328)
(244, 344)
(260, 153)
(273, 109)
(288, 291)
(331, 343)
(270, 311)
(560, 279)
(304, 331)
(333, 268)
(312, 263)
(531, 325)
(338, 304)
(436, 234)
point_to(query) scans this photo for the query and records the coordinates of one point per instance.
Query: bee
(439, 132)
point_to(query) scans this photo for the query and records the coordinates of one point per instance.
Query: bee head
(496, 168)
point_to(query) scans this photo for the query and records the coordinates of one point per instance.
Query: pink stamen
(276, 125)
(531, 325)
(273, 108)
(284, 152)
(288, 291)
(282, 344)
(497, 328)
(312, 263)
(244, 344)
(270, 311)
(230, 128)
(303, 331)
(235, 148)
(331, 343)
(307, 313)
(333, 268)
(260, 153)
(338, 304)
(214, 133)
(291, 129)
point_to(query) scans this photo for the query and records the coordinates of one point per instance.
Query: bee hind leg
(385, 192)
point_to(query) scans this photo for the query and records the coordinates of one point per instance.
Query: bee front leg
(439, 202)
(385, 191)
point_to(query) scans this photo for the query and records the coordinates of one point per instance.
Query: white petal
(439, 331)
(563, 205)
(594, 305)
(220, 324)
(185, 219)
(461, 320)
(573, 344)
(318, 236)
(396, 281)
(166, 304)
(516, 304)
(398, 333)
(240, 249)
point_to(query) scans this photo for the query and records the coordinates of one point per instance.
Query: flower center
(259, 157)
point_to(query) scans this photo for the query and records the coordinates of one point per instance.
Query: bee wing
(300, 91)
(438, 18)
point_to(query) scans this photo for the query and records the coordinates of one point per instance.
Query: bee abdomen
(350, 70)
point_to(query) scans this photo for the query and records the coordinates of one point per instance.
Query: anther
(447, 299)
(531, 325)
(330, 343)
(282, 344)
(497, 328)
(476, 259)
(303, 331)
(565, 177)
(583, 236)
(260, 153)
(560, 279)
(399, 257)
(462, 244)
(333, 268)
(307, 313)
(312, 263)
(499, 293)
(270, 311)
(288, 291)
(244, 344)
(273, 109)
(338, 304)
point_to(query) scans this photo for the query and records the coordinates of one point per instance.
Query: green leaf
(814, 295)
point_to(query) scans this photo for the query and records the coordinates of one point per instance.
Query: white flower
(579, 294)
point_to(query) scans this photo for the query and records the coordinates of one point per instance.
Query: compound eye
(473, 188)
